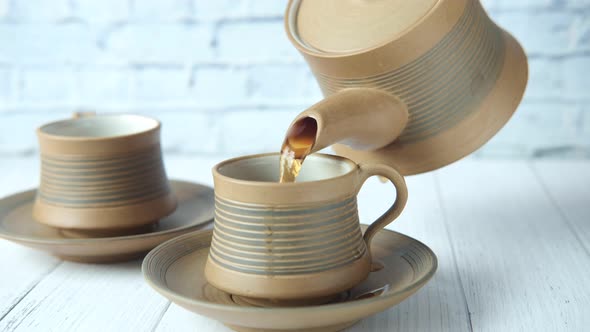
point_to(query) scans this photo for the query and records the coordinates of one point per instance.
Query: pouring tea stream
(362, 118)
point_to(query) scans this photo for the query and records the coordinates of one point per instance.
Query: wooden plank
(23, 268)
(521, 267)
(439, 306)
(84, 297)
(568, 185)
(177, 319)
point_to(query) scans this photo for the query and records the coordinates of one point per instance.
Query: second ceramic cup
(293, 241)
(102, 173)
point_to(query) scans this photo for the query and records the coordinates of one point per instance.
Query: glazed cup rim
(217, 174)
(155, 127)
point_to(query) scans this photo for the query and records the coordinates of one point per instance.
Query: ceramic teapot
(413, 84)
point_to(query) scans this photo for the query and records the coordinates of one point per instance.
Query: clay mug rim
(42, 130)
(216, 170)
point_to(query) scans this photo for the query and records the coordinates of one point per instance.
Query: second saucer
(194, 213)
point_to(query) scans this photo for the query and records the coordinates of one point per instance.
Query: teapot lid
(344, 26)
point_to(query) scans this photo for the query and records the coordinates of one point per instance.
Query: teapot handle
(82, 113)
(368, 170)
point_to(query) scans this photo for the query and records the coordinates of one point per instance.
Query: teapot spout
(361, 118)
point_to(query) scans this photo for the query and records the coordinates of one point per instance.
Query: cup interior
(265, 168)
(101, 126)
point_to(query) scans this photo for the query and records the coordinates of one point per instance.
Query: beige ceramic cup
(102, 173)
(293, 241)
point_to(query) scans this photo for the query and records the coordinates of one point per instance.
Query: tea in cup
(102, 173)
(293, 241)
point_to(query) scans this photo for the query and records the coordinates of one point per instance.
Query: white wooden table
(512, 239)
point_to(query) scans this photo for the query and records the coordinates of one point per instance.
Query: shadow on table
(127, 266)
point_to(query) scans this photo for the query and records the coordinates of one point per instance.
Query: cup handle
(83, 114)
(368, 170)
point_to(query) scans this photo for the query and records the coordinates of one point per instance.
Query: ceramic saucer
(401, 266)
(194, 212)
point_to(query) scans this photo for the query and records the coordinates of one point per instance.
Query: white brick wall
(224, 79)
